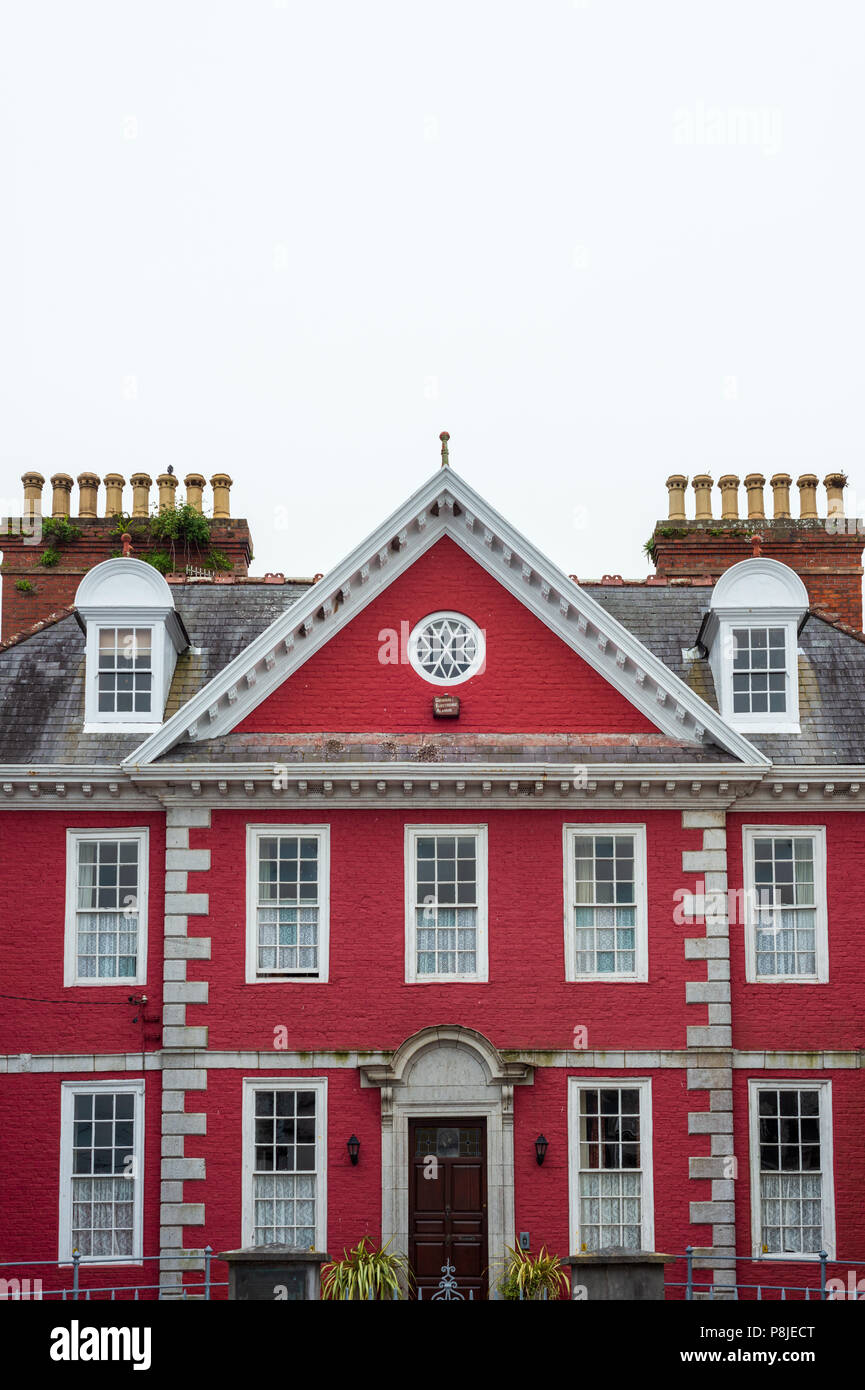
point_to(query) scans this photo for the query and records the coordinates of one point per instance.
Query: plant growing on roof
(24, 586)
(136, 526)
(216, 560)
(160, 560)
(180, 527)
(60, 530)
(180, 534)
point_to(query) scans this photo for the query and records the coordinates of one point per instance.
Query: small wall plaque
(446, 706)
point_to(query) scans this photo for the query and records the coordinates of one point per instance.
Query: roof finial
(444, 437)
(756, 544)
(126, 542)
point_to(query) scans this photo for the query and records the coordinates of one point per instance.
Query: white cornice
(434, 785)
(446, 506)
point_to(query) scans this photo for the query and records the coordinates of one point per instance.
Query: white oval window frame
(480, 643)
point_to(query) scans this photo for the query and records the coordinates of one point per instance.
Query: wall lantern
(541, 1146)
(353, 1146)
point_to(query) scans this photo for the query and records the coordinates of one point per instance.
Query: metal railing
(17, 1289)
(696, 1287)
(693, 1286)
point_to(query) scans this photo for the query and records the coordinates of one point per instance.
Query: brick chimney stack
(825, 552)
(34, 588)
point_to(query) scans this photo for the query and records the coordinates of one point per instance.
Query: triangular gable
(362, 680)
(447, 506)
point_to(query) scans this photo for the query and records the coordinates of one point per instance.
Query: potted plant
(366, 1272)
(533, 1277)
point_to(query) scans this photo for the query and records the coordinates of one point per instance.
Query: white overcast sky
(599, 241)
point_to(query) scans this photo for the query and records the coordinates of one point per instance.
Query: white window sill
(100, 1262)
(121, 728)
(796, 1256)
(785, 980)
(763, 726)
(286, 980)
(607, 979)
(449, 980)
(117, 980)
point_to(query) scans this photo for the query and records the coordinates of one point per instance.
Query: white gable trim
(446, 506)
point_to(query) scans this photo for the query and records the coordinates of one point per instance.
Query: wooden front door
(448, 1207)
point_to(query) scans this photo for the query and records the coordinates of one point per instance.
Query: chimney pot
(194, 484)
(167, 484)
(33, 485)
(61, 484)
(729, 486)
(88, 491)
(114, 485)
(781, 491)
(702, 485)
(835, 484)
(676, 485)
(807, 485)
(754, 484)
(221, 484)
(141, 484)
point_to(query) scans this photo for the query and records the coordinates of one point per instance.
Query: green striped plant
(366, 1272)
(527, 1276)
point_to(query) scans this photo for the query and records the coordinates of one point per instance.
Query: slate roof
(667, 618)
(42, 677)
(42, 692)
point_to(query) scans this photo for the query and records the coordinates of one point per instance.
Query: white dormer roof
(123, 583)
(760, 584)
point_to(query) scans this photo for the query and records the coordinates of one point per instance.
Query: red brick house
(455, 856)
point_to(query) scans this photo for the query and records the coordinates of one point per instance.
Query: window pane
(107, 908)
(784, 882)
(610, 1178)
(125, 669)
(103, 1177)
(605, 874)
(446, 895)
(757, 651)
(285, 1178)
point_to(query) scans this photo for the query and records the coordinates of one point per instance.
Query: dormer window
(751, 635)
(125, 670)
(760, 670)
(133, 638)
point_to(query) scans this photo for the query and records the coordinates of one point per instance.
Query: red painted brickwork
(827, 555)
(353, 1193)
(805, 1016)
(541, 1194)
(55, 587)
(526, 1003)
(368, 1005)
(33, 894)
(29, 1224)
(532, 681)
(848, 1099)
